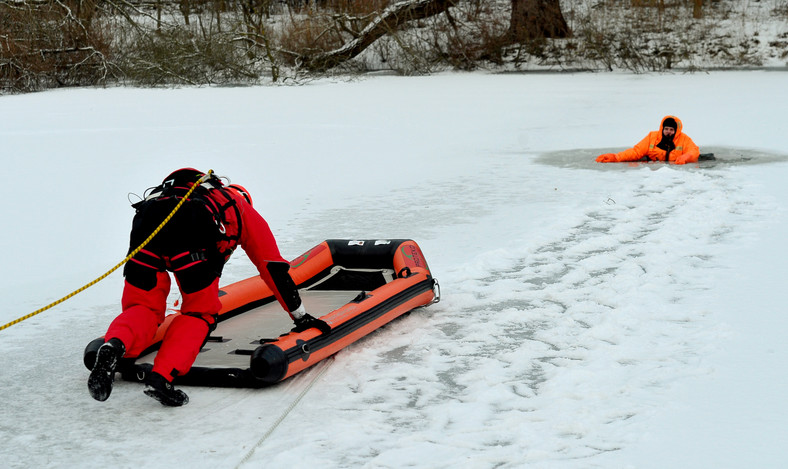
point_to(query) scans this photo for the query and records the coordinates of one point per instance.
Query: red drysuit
(191, 248)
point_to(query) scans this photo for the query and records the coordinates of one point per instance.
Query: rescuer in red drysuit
(194, 245)
(669, 144)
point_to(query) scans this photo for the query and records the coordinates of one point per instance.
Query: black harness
(215, 198)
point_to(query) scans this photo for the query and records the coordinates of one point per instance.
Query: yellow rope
(132, 254)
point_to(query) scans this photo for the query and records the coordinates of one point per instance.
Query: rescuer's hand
(307, 322)
(607, 158)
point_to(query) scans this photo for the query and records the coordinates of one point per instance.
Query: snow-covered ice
(592, 315)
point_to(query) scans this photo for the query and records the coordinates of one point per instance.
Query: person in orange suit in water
(668, 144)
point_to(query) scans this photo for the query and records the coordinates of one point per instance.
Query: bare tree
(391, 19)
(530, 19)
(49, 44)
(83, 10)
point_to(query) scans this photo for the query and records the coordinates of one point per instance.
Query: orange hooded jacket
(685, 152)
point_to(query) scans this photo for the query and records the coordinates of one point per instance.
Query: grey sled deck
(234, 340)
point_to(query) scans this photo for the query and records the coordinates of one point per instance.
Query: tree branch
(391, 19)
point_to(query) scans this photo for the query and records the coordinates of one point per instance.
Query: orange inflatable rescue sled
(356, 286)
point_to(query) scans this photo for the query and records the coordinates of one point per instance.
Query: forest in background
(61, 43)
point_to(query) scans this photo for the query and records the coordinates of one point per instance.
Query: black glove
(307, 322)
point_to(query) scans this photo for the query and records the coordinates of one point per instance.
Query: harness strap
(176, 263)
(187, 259)
(219, 210)
(217, 200)
(149, 259)
(205, 318)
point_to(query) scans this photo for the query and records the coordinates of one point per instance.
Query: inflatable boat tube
(356, 286)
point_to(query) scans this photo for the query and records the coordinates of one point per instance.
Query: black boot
(103, 373)
(162, 390)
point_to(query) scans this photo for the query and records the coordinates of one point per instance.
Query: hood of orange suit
(679, 125)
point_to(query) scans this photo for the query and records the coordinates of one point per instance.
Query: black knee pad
(140, 276)
(196, 277)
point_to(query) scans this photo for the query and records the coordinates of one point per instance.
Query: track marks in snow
(546, 352)
(616, 291)
(581, 332)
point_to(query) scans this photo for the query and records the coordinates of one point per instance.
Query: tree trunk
(391, 19)
(185, 7)
(697, 9)
(537, 19)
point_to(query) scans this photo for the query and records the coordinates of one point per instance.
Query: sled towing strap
(204, 178)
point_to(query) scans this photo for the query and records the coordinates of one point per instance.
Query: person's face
(668, 132)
